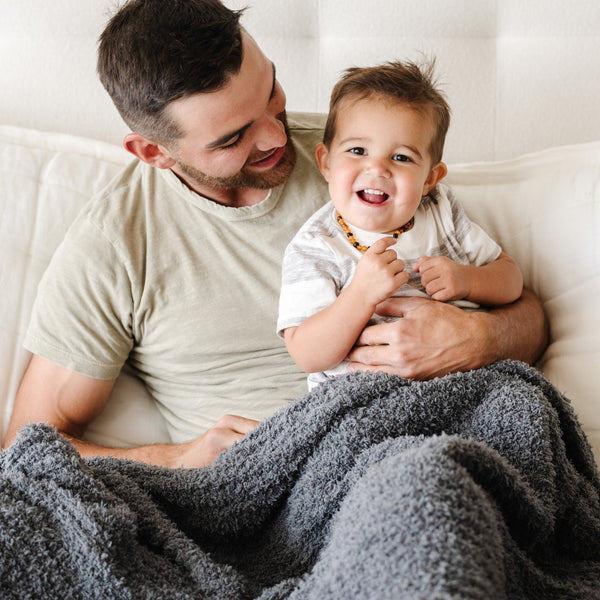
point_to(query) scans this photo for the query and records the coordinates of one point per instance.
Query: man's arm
(433, 339)
(69, 401)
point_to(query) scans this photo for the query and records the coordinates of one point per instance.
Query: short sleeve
(310, 280)
(82, 316)
(475, 242)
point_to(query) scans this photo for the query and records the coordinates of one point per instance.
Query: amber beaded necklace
(406, 227)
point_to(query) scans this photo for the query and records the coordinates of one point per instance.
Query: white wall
(520, 75)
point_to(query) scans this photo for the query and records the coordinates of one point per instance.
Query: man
(174, 269)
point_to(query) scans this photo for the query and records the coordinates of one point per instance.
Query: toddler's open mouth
(372, 196)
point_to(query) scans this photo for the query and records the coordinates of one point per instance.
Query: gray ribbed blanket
(478, 485)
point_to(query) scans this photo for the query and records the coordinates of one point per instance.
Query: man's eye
(401, 158)
(359, 151)
(232, 144)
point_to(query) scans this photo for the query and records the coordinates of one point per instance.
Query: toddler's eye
(357, 150)
(401, 158)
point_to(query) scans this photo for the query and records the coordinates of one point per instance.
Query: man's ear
(147, 151)
(437, 173)
(322, 156)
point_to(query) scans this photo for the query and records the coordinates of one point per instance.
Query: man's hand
(204, 450)
(433, 339)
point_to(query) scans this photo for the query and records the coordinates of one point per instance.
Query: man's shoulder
(300, 121)
(132, 175)
(124, 202)
(132, 185)
(306, 129)
(306, 181)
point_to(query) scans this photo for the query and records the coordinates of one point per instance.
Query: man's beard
(246, 178)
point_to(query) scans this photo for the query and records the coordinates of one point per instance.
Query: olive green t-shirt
(182, 289)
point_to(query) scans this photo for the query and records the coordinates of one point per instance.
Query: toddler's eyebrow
(414, 150)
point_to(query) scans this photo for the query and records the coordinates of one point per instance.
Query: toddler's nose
(378, 167)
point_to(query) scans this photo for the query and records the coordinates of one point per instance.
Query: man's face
(237, 136)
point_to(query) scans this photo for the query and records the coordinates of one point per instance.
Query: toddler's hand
(442, 278)
(379, 272)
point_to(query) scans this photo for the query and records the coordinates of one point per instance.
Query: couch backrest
(520, 75)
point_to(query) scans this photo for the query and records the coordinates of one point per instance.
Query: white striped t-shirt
(320, 262)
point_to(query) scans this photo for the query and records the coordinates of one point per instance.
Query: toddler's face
(378, 166)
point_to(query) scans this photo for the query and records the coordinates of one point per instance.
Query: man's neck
(233, 197)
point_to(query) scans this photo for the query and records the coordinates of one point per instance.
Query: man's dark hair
(153, 52)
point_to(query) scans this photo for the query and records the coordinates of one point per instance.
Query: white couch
(523, 84)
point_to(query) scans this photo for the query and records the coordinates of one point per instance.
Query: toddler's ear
(437, 173)
(322, 156)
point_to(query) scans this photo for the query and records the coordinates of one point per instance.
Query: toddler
(390, 228)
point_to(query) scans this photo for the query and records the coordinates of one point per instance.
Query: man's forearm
(166, 455)
(199, 452)
(516, 331)
(163, 455)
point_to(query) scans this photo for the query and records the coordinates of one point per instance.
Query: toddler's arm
(324, 339)
(498, 282)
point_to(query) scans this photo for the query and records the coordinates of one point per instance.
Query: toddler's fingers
(420, 262)
(382, 245)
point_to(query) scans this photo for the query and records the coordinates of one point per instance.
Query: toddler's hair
(406, 82)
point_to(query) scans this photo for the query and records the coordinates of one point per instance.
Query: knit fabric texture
(479, 485)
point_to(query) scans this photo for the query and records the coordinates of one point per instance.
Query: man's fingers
(237, 424)
(373, 335)
(399, 306)
(228, 430)
(356, 366)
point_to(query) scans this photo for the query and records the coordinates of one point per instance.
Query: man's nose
(271, 133)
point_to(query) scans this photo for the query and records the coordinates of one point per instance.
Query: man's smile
(268, 161)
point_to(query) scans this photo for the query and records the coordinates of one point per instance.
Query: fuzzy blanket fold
(478, 485)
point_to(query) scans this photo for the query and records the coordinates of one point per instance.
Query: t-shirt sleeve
(310, 281)
(478, 246)
(82, 316)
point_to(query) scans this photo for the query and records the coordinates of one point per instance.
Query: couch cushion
(543, 208)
